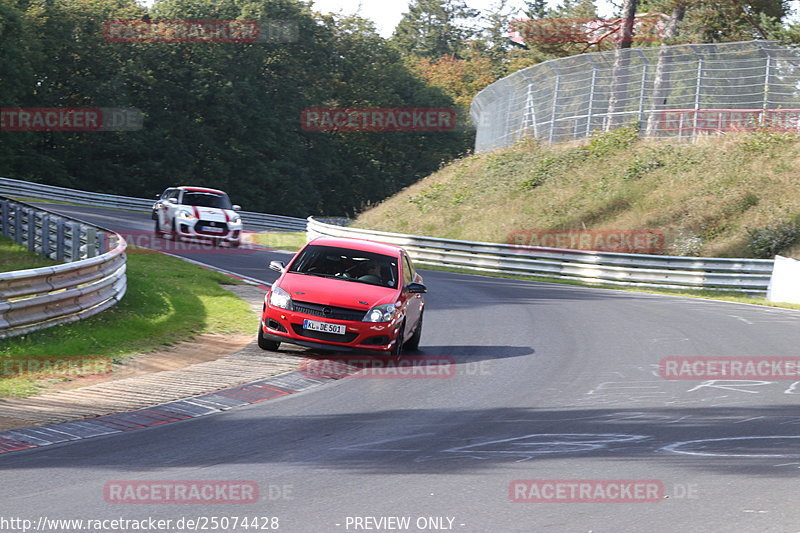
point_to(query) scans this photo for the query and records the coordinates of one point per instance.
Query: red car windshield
(206, 199)
(346, 264)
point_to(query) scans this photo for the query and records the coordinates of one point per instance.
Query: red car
(345, 295)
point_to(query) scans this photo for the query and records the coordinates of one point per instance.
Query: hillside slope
(735, 195)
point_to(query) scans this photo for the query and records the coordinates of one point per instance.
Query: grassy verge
(167, 301)
(15, 257)
(282, 240)
(689, 293)
(733, 195)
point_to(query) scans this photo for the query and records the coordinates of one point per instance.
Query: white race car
(197, 212)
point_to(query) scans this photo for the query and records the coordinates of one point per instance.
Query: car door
(166, 212)
(413, 302)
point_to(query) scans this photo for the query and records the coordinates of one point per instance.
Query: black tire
(266, 344)
(235, 244)
(413, 342)
(157, 230)
(397, 349)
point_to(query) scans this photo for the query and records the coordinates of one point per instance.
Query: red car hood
(335, 292)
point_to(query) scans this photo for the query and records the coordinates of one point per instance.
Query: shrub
(770, 240)
(639, 168)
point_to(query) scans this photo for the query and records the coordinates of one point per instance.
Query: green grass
(29, 200)
(282, 240)
(167, 301)
(15, 257)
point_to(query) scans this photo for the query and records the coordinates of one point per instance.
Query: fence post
(697, 95)
(643, 59)
(530, 111)
(765, 102)
(555, 103)
(590, 112)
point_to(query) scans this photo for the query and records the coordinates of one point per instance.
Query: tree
(619, 75)
(709, 21)
(434, 28)
(225, 115)
(460, 79)
(661, 82)
(535, 9)
(493, 41)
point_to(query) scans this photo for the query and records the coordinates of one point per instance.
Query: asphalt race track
(551, 382)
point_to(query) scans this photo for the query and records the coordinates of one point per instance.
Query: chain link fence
(669, 91)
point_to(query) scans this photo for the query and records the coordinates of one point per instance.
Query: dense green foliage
(228, 115)
(224, 115)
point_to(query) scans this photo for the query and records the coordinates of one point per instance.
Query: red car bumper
(282, 325)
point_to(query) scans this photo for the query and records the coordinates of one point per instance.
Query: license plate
(212, 229)
(324, 327)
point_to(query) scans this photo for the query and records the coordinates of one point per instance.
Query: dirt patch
(203, 348)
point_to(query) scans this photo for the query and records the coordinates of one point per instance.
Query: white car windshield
(206, 199)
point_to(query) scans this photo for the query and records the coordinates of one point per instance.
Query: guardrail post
(75, 241)
(46, 235)
(4, 221)
(91, 242)
(17, 224)
(61, 231)
(31, 230)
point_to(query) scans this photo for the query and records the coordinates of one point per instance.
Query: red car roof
(200, 189)
(359, 244)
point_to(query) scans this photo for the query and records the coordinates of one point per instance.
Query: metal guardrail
(92, 280)
(26, 189)
(672, 272)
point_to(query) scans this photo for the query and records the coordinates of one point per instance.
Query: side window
(165, 194)
(408, 271)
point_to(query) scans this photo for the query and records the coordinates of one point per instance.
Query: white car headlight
(186, 214)
(236, 219)
(280, 298)
(380, 313)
